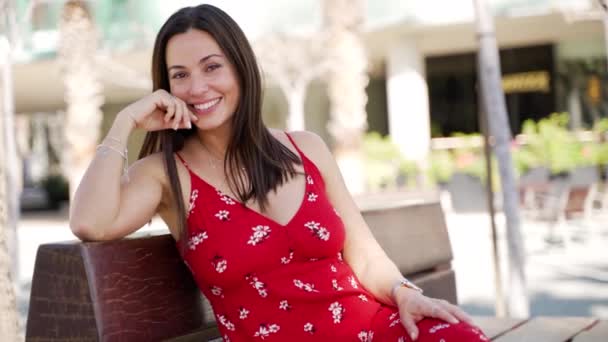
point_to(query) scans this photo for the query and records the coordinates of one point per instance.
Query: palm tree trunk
(9, 183)
(295, 100)
(83, 91)
(346, 85)
(9, 321)
(493, 100)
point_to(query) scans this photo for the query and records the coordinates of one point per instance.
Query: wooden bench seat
(138, 288)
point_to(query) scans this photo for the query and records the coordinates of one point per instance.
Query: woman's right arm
(108, 205)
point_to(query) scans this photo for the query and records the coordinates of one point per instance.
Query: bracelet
(404, 282)
(124, 155)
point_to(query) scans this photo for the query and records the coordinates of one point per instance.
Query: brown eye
(178, 75)
(212, 67)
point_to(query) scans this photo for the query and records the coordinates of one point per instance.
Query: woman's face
(203, 77)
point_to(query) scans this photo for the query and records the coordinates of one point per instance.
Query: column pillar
(408, 101)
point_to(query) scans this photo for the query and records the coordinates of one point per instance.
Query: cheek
(178, 88)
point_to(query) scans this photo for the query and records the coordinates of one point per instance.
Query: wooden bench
(138, 289)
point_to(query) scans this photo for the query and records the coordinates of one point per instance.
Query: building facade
(422, 64)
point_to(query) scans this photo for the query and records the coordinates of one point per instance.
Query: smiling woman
(262, 218)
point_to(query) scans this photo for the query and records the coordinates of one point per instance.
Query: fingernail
(414, 336)
(189, 124)
(175, 127)
(454, 321)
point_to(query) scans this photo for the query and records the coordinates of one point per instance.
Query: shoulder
(307, 140)
(315, 148)
(151, 166)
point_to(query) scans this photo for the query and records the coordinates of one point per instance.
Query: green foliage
(550, 143)
(384, 162)
(441, 166)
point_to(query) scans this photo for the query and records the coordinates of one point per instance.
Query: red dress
(274, 282)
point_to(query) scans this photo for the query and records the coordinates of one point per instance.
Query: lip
(205, 111)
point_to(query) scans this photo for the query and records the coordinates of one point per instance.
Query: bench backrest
(138, 289)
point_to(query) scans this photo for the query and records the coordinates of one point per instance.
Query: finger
(459, 313)
(187, 114)
(179, 113)
(170, 108)
(193, 116)
(410, 326)
(437, 311)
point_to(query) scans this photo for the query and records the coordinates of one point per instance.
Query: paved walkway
(570, 281)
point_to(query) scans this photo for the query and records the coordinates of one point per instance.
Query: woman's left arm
(374, 269)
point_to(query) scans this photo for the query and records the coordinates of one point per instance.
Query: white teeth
(206, 105)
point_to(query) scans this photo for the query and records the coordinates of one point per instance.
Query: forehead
(189, 47)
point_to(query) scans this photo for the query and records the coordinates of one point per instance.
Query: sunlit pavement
(562, 281)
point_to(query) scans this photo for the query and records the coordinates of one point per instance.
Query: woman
(262, 218)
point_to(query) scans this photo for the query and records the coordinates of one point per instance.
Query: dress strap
(182, 160)
(294, 145)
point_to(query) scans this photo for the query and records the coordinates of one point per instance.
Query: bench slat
(597, 333)
(494, 326)
(414, 236)
(552, 329)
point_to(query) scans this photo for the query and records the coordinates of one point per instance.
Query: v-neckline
(248, 209)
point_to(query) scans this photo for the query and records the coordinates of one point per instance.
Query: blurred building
(422, 63)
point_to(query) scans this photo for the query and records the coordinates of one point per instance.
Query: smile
(207, 106)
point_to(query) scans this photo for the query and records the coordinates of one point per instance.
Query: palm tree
(83, 91)
(293, 62)
(9, 211)
(9, 321)
(493, 102)
(347, 79)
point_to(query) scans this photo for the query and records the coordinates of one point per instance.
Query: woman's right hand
(158, 111)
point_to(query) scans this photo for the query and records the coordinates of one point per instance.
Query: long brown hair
(267, 162)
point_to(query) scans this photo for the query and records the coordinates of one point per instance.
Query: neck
(215, 144)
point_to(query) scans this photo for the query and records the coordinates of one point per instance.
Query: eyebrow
(203, 60)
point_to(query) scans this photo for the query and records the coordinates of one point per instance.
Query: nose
(198, 86)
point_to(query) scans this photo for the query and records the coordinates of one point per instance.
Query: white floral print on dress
(226, 338)
(353, 282)
(333, 269)
(225, 322)
(401, 339)
(286, 260)
(309, 328)
(320, 232)
(312, 197)
(337, 312)
(220, 264)
(243, 313)
(309, 180)
(260, 233)
(267, 329)
(197, 239)
(363, 298)
(366, 336)
(438, 327)
(394, 319)
(284, 305)
(217, 291)
(223, 215)
(335, 286)
(192, 203)
(304, 286)
(257, 285)
(225, 198)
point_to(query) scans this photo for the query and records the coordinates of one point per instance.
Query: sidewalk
(561, 282)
